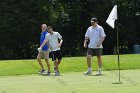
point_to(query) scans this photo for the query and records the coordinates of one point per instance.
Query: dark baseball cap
(93, 19)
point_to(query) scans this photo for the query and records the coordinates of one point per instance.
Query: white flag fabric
(112, 17)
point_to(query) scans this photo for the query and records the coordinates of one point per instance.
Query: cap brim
(91, 21)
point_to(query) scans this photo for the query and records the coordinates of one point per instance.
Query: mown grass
(69, 64)
(72, 82)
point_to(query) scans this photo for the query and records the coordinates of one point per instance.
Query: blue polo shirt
(42, 38)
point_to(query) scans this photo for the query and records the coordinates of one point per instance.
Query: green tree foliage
(20, 22)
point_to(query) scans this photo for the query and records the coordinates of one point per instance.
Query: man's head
(50, 29)
(43, 27)
(93, 21)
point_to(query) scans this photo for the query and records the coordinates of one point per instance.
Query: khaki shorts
(94, 52)
(43, 54)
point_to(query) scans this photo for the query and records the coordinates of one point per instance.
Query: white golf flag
(112, 17)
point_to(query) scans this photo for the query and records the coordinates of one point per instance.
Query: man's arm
(42, 45)
(100, 41)
(102, 33)
(85, 42)
(60, 38)
(61, 41)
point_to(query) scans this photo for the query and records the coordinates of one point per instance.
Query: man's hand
(98, 45)
(85, 45)
(39, 49)
(59, 45)
(85, 42)
(100, 42)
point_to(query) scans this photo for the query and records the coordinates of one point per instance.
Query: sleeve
(102, 32)
(59, 36)
(87, 33)
(47, 37)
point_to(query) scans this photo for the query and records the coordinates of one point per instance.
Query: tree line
(20, 22)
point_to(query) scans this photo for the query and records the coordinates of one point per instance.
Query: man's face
(49, 30)
(43, 27)
(93, 23)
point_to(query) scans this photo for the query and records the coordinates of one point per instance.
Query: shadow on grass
(118, 83)
(95, 75)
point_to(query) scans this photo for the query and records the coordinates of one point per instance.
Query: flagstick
(118, 50)
(113, 20)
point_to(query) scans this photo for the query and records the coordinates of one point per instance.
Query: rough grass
(69, 64)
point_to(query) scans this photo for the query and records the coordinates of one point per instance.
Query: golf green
(73, 83)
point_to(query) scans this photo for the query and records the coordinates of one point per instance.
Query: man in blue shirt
(55, 41)
(44, 53)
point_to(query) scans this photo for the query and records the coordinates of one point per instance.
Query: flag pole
(118, 53)
(112, 20)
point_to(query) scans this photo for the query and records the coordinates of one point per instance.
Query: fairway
(72, 82)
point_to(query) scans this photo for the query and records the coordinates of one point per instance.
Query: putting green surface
(73, 83)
